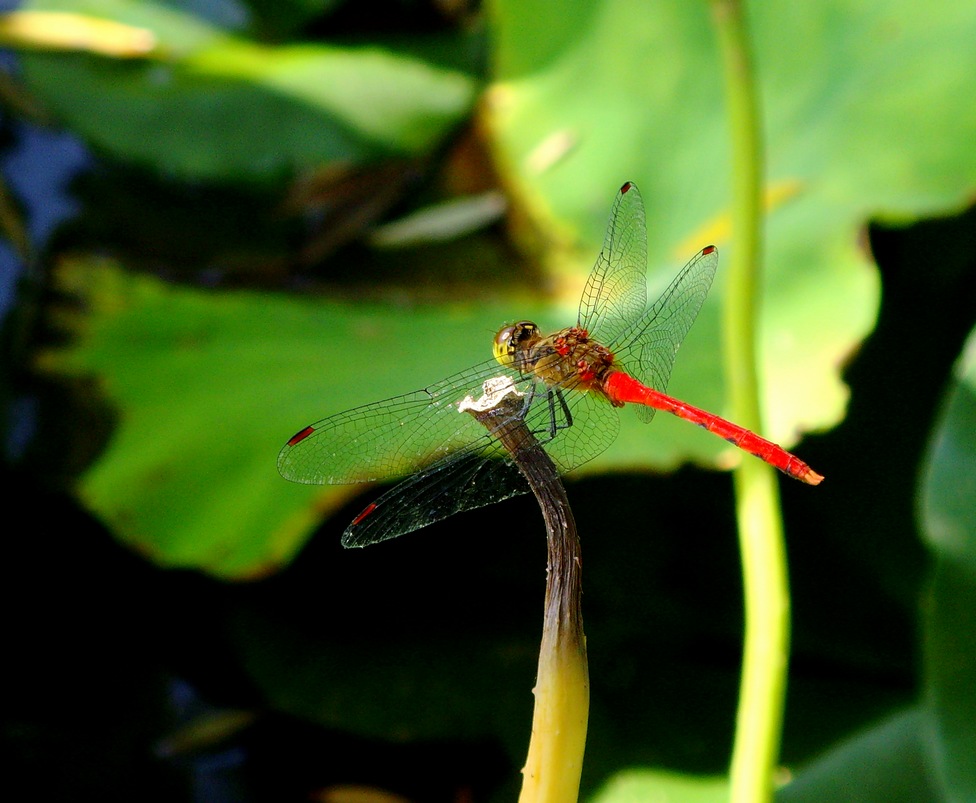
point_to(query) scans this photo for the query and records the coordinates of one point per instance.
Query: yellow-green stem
(555, 758)
(562, 691)
(764, 669)
(562, 688)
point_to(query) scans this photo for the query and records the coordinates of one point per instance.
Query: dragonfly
(568, 386)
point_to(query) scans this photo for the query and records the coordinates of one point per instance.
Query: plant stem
(562, 694)
(562, 690)
(767, 607)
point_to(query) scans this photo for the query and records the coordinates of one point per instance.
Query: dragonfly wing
(650, 347)
(615, 294)
(573, 425)
(394, 437)
(458, 482)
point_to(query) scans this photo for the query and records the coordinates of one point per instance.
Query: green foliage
(820, 295)
(637, 785)
(869, 114)
(949, 524)
(212, 105)
(865, 115)
(211, 385)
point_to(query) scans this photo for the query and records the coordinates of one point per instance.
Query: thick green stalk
(764, 670)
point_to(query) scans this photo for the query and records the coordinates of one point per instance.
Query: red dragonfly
(568, 385)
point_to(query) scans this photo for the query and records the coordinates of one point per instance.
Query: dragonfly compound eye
(511, 339)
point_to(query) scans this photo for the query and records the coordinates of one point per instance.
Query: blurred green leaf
(950, 678)
(948, 510)
(949, 492)
(614, 91)
(926, 753)
(635, 786)
(211, 105)
(210, 386)
(882, 764)
(867, 114)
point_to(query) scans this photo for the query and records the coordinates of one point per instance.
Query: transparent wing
(573, 431)
(460, 482)
(649, 348)
(454, 462)
(594, 426)
(393, 437)
(615, 294)
(405, 434)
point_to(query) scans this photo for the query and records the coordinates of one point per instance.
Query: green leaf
(210, 105)
(208, 388)
(949, 518)
(881, 764)
(950, 474)
(623, 90)
(868, 113)
(634, 785)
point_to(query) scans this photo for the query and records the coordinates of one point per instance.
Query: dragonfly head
(512, 339)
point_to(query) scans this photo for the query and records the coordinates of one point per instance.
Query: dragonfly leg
(568, 416)
(560, 418)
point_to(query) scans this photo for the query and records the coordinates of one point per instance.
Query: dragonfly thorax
(568, 358)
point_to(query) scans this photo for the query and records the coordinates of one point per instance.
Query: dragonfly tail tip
(812, 477)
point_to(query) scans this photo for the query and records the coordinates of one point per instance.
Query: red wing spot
(708, 249)
(369, 509)
(626, 187)
(298, 437)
